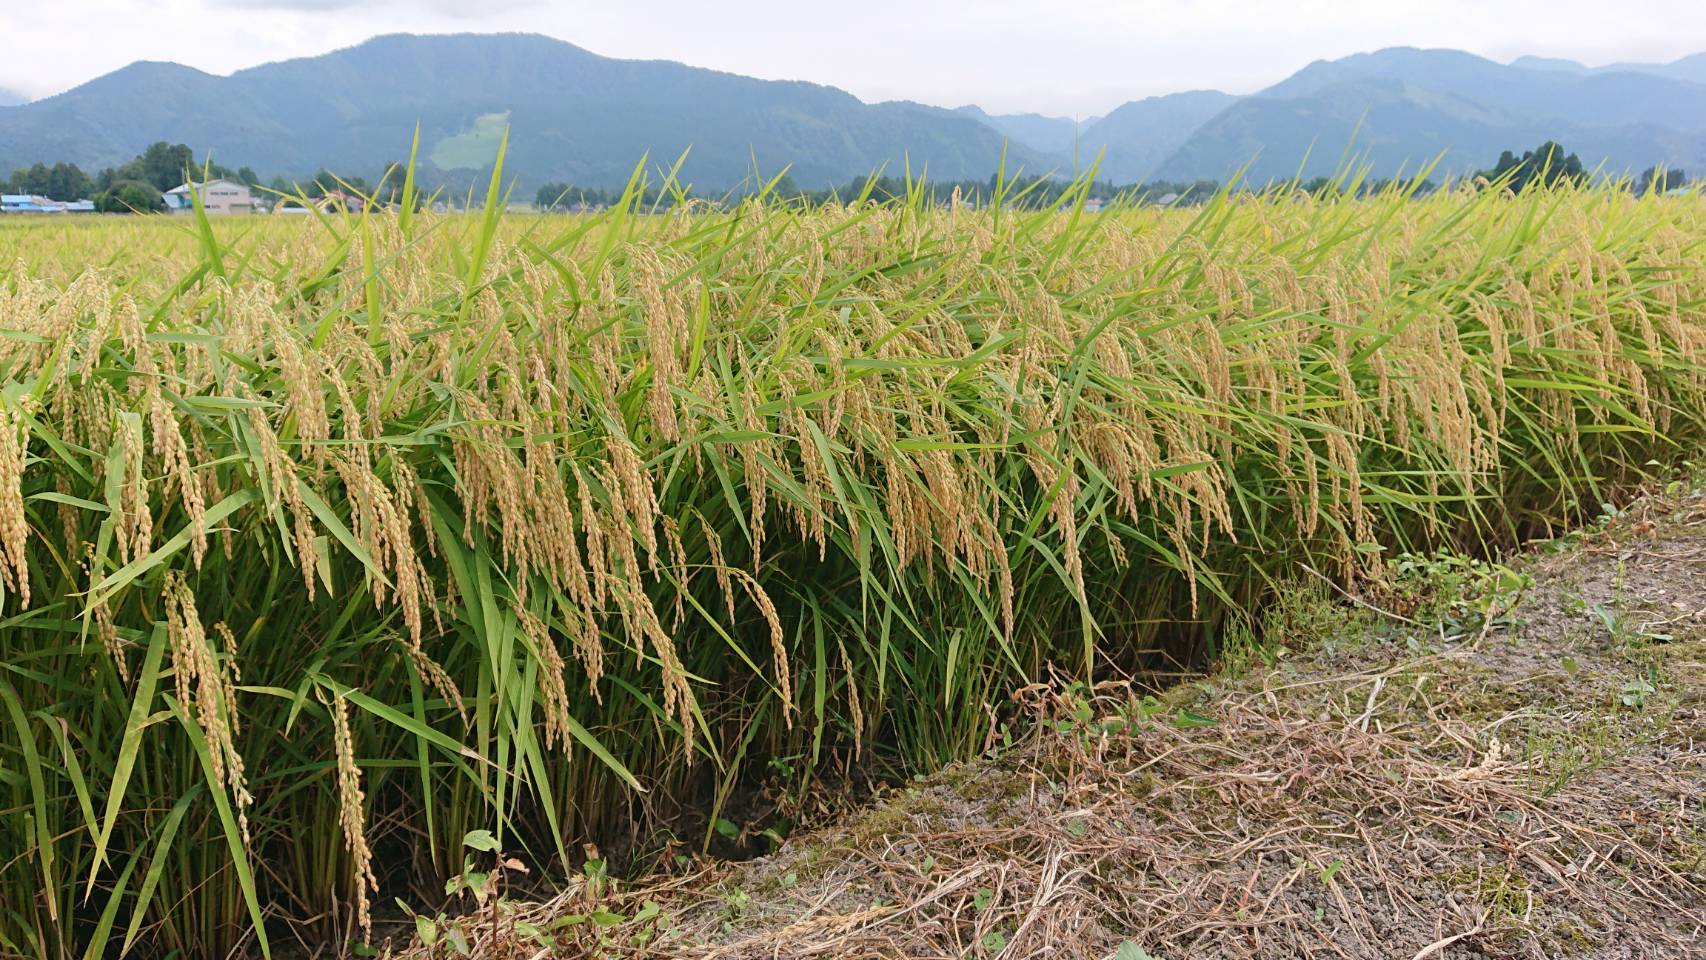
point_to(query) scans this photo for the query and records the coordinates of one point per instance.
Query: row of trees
(62, 181)
(1545, 165)
(1660, 180)
(136, 184)
(564, 196)
(165, 165)
(139, 183)
(1334, 187)
(1549, 165)
(1033, 192)
(1028, 192)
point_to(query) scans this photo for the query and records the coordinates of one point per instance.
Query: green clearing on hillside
(475, 148)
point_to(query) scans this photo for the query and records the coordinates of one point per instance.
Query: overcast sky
(1056, 56)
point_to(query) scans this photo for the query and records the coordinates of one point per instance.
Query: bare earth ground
(1407, 786)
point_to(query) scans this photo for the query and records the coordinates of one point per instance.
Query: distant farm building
(340, 200)
(217, 197)
(332, 202)
(1089, 205)
(26, 203)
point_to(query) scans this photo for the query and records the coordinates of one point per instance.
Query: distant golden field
(325, 541)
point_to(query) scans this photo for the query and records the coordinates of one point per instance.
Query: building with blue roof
(27, 203)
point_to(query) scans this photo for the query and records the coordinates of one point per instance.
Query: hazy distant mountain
(574, 116)
(1141, 134)
(1591, 98)
(1691, 69)
(1137, 135)
(578, 117)
(1554, 64)
(1049, 134)
(1407, 106)
(9, 98)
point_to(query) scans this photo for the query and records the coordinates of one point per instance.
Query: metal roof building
(26, 203)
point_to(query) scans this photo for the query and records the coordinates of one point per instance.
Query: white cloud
(1068, 56)
(447, 8)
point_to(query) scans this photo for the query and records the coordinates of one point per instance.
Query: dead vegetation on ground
(1516, 769)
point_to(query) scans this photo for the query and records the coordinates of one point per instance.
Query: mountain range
(1692, 68)
(1056, 135)
(1406, 107)
(574, 116)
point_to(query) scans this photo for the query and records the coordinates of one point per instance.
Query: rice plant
(326, 541)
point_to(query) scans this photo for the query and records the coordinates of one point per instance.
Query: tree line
(1033, 192)
(137, 184)
(1550, 165)
(140, 183)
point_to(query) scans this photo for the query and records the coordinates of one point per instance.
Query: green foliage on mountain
(573, 116)
(1136, 138)
(1691, 68)
(1055, 135)
(1403, 108)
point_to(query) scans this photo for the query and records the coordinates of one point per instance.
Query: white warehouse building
(217, 197)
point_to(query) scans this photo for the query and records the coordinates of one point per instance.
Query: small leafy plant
(485, 888)
(1634, 693)
(1464, 594)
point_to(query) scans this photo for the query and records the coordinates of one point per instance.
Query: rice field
(324, 541)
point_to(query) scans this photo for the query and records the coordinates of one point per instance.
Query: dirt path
(1421, 783)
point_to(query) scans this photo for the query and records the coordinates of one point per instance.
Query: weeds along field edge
(326, 541)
